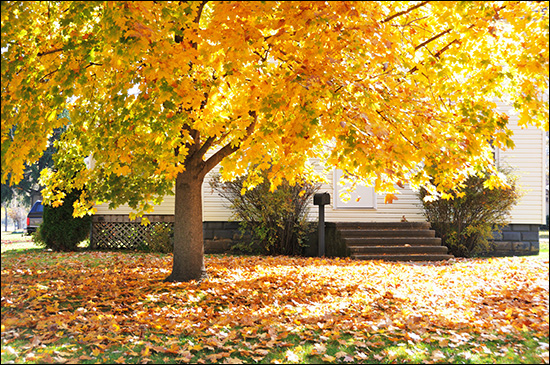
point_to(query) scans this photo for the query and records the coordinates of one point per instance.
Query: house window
(363, 197)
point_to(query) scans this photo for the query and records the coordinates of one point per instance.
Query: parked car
(34, 218)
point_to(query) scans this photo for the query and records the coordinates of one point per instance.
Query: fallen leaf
(328, 358)
(340, 354)
(318, 349)
(291, 356)
(232, 360)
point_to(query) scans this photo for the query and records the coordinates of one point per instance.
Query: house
(520, 237)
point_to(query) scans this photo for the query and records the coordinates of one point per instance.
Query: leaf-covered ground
(105, 306)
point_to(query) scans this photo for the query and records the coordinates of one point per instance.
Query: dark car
(34, 218)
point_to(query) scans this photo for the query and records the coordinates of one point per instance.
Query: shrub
(276, 221)
(466, 224)
(160, 239)
(59, 230)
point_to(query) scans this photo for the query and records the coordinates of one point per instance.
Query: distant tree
(17, 215)
(28, 189)
(29, 185)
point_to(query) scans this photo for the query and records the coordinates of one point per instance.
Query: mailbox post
(321, 200)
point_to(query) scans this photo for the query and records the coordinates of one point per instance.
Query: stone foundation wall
(219, 236)
(513, 240)
(516, 240)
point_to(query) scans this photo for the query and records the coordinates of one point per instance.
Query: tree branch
(404, 11)
(40, 54)
(432, 39)
(228, 149)
(44, 78)
(205, 146)
(199, 13)
(398, 129)
(437, 54)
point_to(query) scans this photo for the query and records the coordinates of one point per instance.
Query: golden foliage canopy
(392, 92)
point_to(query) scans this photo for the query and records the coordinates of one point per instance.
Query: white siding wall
(214, 208)
(529, 162)
(527, 158)
(407, 205)
(167, 207)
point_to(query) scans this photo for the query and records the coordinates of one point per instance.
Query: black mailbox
(321, 199)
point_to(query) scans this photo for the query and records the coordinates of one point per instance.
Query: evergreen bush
(466, 224)
(60, 231)
(275, 221)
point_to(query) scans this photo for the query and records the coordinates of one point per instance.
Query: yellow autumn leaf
(123, 170)
(146, 351)
(389, 198)
(328, 358)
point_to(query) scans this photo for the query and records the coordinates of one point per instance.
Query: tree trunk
(188, 260)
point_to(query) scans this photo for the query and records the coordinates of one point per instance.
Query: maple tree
(159, 93)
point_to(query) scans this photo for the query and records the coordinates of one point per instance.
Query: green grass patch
(16, 241)
(444, 347)
(544, 253)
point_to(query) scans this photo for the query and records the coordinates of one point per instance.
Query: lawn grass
(372, 350)
(543, 246)
(16, 241)
(106, 307)
(20, 241)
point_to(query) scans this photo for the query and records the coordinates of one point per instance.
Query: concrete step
(403, 257)
(392, 241)
(379, 250)
(348, 233)
(341, 226)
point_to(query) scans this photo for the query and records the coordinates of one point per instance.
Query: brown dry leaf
(146, 351)
(232, 360)
(318, 349)
(185, 357)
(437, 355)
(378, 357)
(216, 356)
(340, 354)
(291, 356)
(60, 360)
(348, 358)
(261, 352)
(96, 352)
